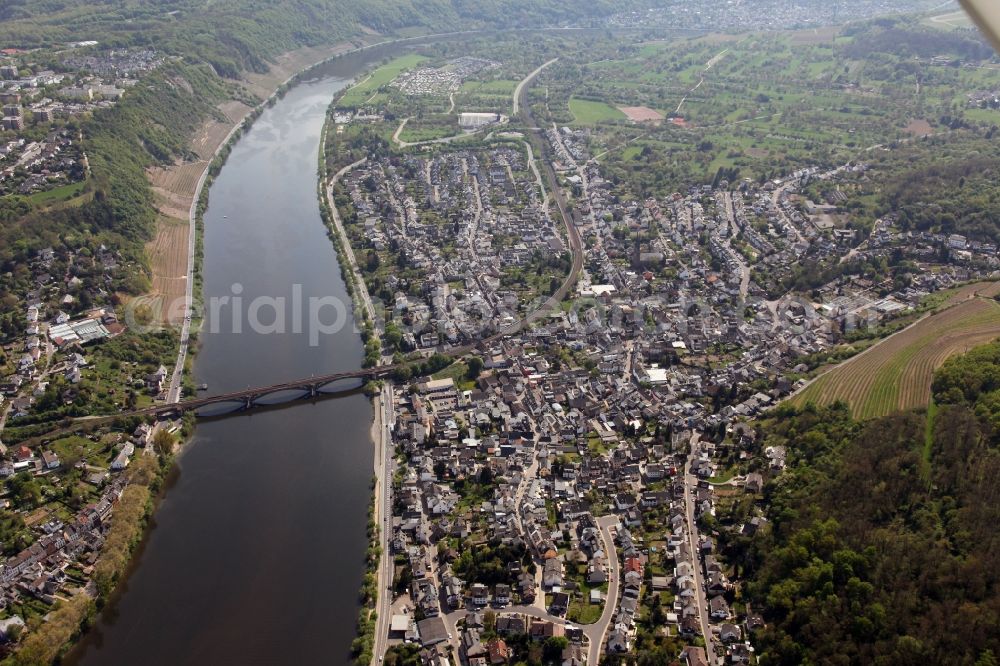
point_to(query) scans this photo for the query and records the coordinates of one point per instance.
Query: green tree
(163, 442)
(553, 649)
(475, 367)
(25, 489)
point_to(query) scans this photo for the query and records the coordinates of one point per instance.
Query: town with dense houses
(63, 492)
(456, 242)
(575, 485)
(39, 146)
(57, 356)
(70, 308)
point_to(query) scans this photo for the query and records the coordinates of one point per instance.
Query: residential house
(50, 460)
(729, 633)
(154, 381)
(718, 608)
(560, 604)
(552, 573)
(498, 652)
(694, 656)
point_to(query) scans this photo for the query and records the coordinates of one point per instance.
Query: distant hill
(234, 34)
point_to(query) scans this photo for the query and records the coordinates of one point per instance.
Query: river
(256, 553)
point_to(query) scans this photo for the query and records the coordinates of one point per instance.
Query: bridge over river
(249, 398)
(312, 387)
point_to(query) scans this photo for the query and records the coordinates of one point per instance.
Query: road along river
(256, 553)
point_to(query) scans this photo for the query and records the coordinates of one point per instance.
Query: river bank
(370, 620)
(223, 526)
(241, 215)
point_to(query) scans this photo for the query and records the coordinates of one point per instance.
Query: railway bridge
(308, 388)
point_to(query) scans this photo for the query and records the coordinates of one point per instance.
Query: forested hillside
(235, 35)
(944, 184)
(884, 546)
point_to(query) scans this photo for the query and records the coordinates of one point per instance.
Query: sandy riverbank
(177, 187)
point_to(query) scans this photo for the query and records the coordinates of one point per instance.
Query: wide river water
(256, 553)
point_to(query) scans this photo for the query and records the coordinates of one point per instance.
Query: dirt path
(399, 130)
(713, 61)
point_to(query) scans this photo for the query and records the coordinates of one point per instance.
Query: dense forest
(884, 547)
(945, 184)
(892, 36)
(973, 380)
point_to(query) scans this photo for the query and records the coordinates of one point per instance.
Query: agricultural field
(641, 114)
(414, 132)
(211, 135)
(173, 192)
(167, 254)
(234, 110)
(763, 105)
(360, 93)
(589, 112)
(496, 96)
(896, 373)
(174, 187)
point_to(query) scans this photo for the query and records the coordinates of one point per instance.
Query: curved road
(445, 139)
(597, 632)
(690, 486)
(525, 82)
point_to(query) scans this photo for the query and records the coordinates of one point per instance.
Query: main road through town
(691, 527)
